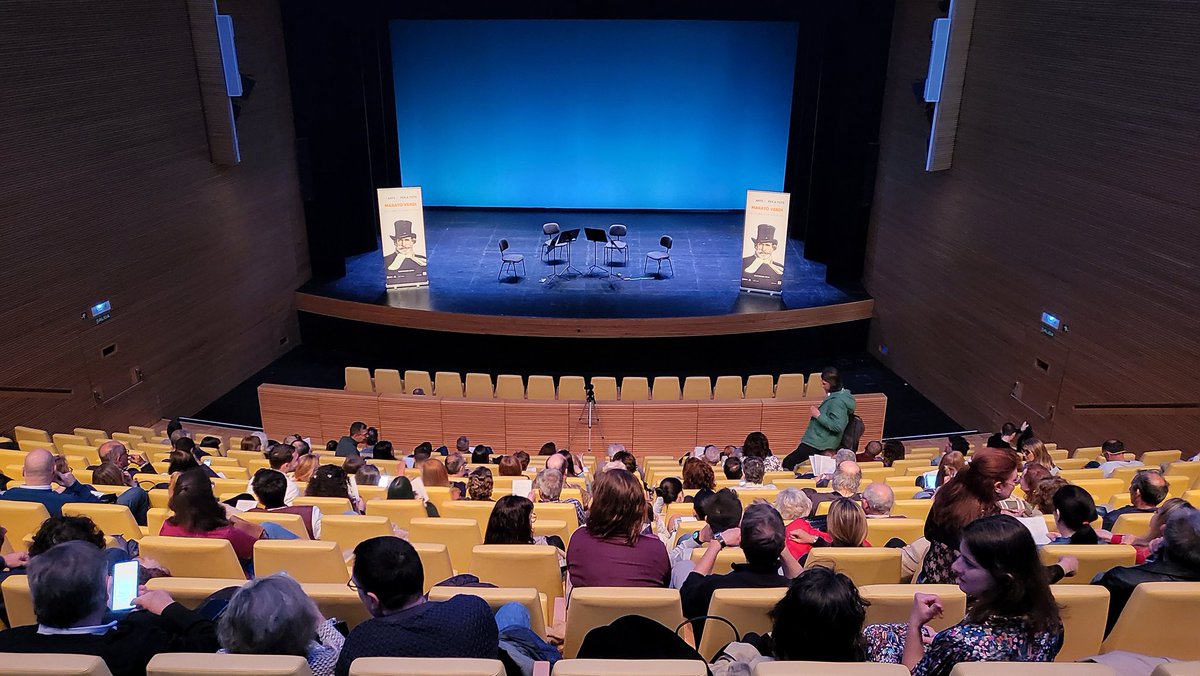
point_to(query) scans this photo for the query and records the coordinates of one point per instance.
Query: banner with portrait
(764, 241)
(402, 225)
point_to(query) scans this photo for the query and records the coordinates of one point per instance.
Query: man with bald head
(878, 499)
(132, 463)
(39, 472)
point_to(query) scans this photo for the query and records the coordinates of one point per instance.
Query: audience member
(878, 499)
(511, 523)
(761, 536)
(733, 469)
(421, 453)
(402, 489)
(753, 474)
(250, 442)
(1011, 616)
(270, 488)
(870, 452)
(1043, 493)
(610, 550)
(844, 484)
(1034, 451)
(283, 459)
(712, 455)
(1113, 452)
(433, 473)
(720, 511)
(198, 514)
(757, 445)
(976, 492)
(331, 445)
(462, 445)
(668, 492)
(347, 446)
(39, 470)
(134, 496)
(302, 448)
(509, 466)
(352, 464)
(331, 481)
(456, 464)
(698, 474)
(1146, 544)
(1074, 512)
(893, 450)
(389, 579)
(383, 451)
(522, 458)
(185, 446)
(1177, 560)
(1147, 490)
(306, 466)
(827, 422)
(1017, 506)
(792, 503)
(549, 485)
(480, 484)
(629, 461)
(130, 463)
(1005, 439)
(273, 616)
(69, 587)
(481, 455)
(549, 448)
(847, 524)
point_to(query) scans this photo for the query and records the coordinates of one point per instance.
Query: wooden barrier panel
(507, 426)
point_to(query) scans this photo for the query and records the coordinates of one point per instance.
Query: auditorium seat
(1133, 523)
(328, 506)
(193, 557)
(558, 511)
(698, 388)
(540, 388)
(304, 560)
(112, 519)
(509, 387)
(334, 600)
(571, 388)
(56, 664)
(747, 496)
(665, 388)
(209, 664)
(1177, 669)
(21, 433)
(480, 511)
(635, 388)
(812, 387)
(1093, 559)
(459, 535)
(746, 608)
(146, 433)
(1156, 458)
(399, 512)
(790, 387)
(829, 669)
(863, 565)
(22, 518)
(448, 385)
(388, 381)
(877, 474)
(900, 480)
(498, 596)
(913, 509)
(725, 558)
(728, 388)
(879, 531)
(438, 495)
(1157, 620)
(156, 517)
(1071, 463)
(1032, 669)
(27, 445)
(131, 441)
(348, 530)
(519, 566)
(686, 528)
(1184, 468)
(479, 386)
(435, 559)
(1074, 475)
(358, 379)
(61, 440)
(1100, 489)
(592, 607)
(893, 603)
(604, 387)
(425, 666)
(17, 600)
(1084, 611)
(418, 380)
(598, 667)
(760, 387)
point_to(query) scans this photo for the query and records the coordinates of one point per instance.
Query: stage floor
(464, 260)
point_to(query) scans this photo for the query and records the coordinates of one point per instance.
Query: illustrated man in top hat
(404, 266)
(760, 271)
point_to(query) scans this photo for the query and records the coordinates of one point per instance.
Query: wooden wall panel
(529, 425)
(1073, 191)
(784, 423)
(481, 421)
(660, 427)
(614, 425)
(408, 421)
(728, 423)
(289, 410)
(109, 193)
(339, 408)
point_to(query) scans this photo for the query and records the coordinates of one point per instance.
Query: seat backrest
(1093, 559)
(459, 535)
(728, 388)
(509, 387)
(747, 609)
(193, 557)
(52, 664)
(1133, 523)
(61, 440)
(503, 245)
(863, 565)
(1032, 668)
(399, 512)
(204, 664)
(698, 388)
(348, 530)
(519, 566)
(604, 387)
(479, 386)
(435, 559)
(617, 230)
(424, 666)
(18, 601)
(303, 560)
(571, 388)
(479, 510)
(1156, 458)
(358, 379)
(1084, 611)
(666, 388)
(760, 386)
(879, 531)
(22, 518)
(112, 519)
(592, 607)
(550, 229)
(829, 669)
(540, 388)
(913, 509)
(790, 387)
(598, 667)
(388, 380)
(418, 380)
(498, 596)
(558, 511)
(1157, 621)
(666, 242)
(21, 433)
(893, 603)
(448, 385)
(1177, 669)
(328, 506)
(635, 388)
(812, 386)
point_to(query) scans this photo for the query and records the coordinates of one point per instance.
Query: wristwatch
(718, 538)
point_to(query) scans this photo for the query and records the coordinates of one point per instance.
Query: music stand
(598, 238)
(565, 238)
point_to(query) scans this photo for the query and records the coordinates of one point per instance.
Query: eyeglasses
(352, 584)
(533, 517)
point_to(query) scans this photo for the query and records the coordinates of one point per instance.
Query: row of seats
(451, 384)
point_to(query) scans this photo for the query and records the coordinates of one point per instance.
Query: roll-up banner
(402, 224)
(764, 241)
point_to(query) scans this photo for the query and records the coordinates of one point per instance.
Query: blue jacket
(53, 502)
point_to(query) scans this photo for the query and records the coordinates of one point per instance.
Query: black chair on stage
(509, 261)
(550, 230)
(615, 244)
(659, 256)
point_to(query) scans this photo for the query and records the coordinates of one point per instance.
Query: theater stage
(701, 298)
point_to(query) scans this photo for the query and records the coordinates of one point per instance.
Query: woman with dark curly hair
(698, 474)
(331, 481)
(757, 446)
(480, 484)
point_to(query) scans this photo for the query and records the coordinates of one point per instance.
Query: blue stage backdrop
(593, 114)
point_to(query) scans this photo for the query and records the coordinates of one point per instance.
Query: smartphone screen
(124, 585)
(208, 461)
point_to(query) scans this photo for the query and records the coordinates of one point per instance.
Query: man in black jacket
(69, 585)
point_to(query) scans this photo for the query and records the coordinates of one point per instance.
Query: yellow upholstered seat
(760, 387)
(193, 557)
(21, 433)
(435, 559)
(1084, 611)
(1177, 669)
(1093, 559)
(438, 495)
(725, 558)
(22, 518)
(592, 607)
(358, 379)
(63, 440)
(155, 518)
(1156, 458)
(597, 667)
(349, 530)
(747, 609)
(605, 388)
(558, 511)
(1157, 621)
(894, 602)
(879, 531)
(459, 535)
(880, 474)
(498, 596)
(56, 664)
(509, 387)
(304, 560)
(112, 519)
(479, 510)
(131, 441)
(209, 664)
(399, 512)
(388, 381)
(1133, 523)
(697, 388)
(519, 566)
(18, 601)
(540, 388)
(913, 509)
(479, 386)
(635, 388)
(863, 565)
(790, 387)
(1100, 489)
(425, 666)
(1183, 468)
(728, 388)
(812, 386)
(1032, 669)
(418, 380)
(448, 384)
(1074, 475)
(27, 445)
(829, 669)
(328, 506)
(571, 388)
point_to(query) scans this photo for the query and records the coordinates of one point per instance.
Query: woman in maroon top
(198, 514)
(611, 551)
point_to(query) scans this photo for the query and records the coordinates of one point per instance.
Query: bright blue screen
(593, 114)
